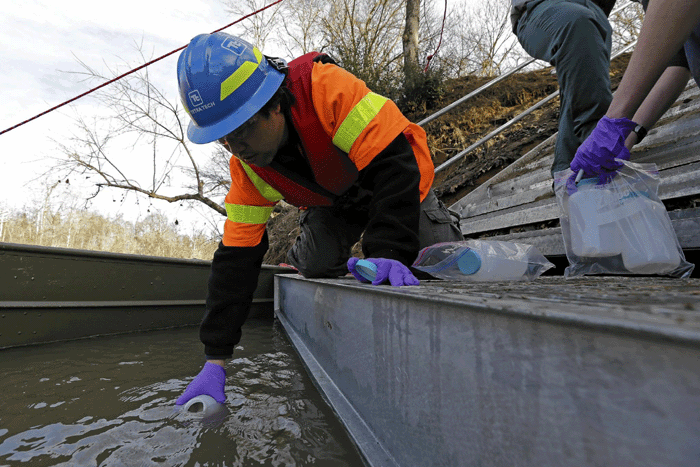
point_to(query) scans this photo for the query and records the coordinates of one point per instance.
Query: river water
(109, 401)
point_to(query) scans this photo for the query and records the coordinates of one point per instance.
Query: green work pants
(575, 37)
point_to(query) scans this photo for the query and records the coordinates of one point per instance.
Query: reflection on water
(110, 402)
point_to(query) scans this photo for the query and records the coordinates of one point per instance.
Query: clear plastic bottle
(482, 260)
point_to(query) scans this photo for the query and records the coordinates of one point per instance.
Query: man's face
(258, 140)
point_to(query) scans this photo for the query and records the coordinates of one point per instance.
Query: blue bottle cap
(469, 261)
(587, 181)
(366, 269)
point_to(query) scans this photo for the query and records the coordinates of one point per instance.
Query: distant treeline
(155, 235)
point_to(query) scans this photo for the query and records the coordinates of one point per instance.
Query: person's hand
(209, 381)
(598, 153)
(396, 272)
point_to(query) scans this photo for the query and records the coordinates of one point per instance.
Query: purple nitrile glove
(209, 381)
(397, 273)
(596, 156)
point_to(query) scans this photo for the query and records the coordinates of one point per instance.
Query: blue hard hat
(223, 81)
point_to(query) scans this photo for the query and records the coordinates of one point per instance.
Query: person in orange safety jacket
(313, 134)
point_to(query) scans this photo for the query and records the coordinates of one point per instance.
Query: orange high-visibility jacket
(367, 131)
(360, 125)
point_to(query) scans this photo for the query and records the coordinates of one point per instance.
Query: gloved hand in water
(598, 153)
(396, 272)
(209, 381)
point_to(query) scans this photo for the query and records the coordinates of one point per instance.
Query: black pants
(328, 234)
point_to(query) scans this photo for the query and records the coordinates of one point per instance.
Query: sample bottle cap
(366, 269)
(587, 182)
(469, 261)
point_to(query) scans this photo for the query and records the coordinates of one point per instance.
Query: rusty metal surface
(554, 372)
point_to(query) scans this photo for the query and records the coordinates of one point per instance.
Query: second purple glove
(397, 273)
(596, 156)
(209, 381)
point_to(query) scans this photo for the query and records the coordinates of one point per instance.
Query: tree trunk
(410, 42)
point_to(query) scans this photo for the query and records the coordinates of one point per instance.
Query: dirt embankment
(463, 126)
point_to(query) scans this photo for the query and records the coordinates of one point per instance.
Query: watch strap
(641, 132)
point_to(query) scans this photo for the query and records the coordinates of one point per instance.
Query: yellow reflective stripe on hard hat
(356, 121)
(239, 76)
(248, 214)
(263, 187)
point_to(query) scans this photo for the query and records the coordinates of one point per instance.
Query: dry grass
(85, 230)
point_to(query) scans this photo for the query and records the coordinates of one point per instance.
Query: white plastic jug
(649, 245)
(595, 231)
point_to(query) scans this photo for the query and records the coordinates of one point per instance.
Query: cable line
(133, 71)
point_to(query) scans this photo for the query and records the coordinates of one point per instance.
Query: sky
(42, 44)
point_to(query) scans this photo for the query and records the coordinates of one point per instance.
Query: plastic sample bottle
(203, 405)
(606, 223)
(595, 230)
(488, 267)
(649, 241)
(465, 262)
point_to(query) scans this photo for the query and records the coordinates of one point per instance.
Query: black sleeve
(232, 283)
(394, 178)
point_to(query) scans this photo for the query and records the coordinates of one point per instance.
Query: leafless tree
(258, 28)
(410, 40)
(302, 27)
(494, 45)
(138, 111)
(626, 24)
(365, 36)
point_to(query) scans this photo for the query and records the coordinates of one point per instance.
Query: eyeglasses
(240, 133)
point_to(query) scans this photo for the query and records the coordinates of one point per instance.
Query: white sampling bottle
(649, 241)
(203, 405)
(595, 230)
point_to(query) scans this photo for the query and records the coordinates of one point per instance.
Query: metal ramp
(553, 372)
(520, 196)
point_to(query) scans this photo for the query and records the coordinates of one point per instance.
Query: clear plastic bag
(482, 260)
(620, 227)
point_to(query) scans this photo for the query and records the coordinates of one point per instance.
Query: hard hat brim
(207, 134)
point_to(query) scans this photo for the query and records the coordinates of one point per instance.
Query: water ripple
(97, 402)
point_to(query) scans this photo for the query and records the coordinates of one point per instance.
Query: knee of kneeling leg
(317, 270)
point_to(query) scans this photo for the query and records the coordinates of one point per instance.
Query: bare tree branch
(139, 115)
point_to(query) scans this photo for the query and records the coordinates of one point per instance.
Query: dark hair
(283, 97)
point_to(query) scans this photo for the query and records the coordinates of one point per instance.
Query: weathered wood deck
(520, 196)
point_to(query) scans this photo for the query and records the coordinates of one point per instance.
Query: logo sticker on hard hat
(234, 45)
(195, 98)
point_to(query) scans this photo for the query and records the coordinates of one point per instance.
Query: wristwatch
(641, 132)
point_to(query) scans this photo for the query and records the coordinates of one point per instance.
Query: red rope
(133, 71)
(430, 57)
